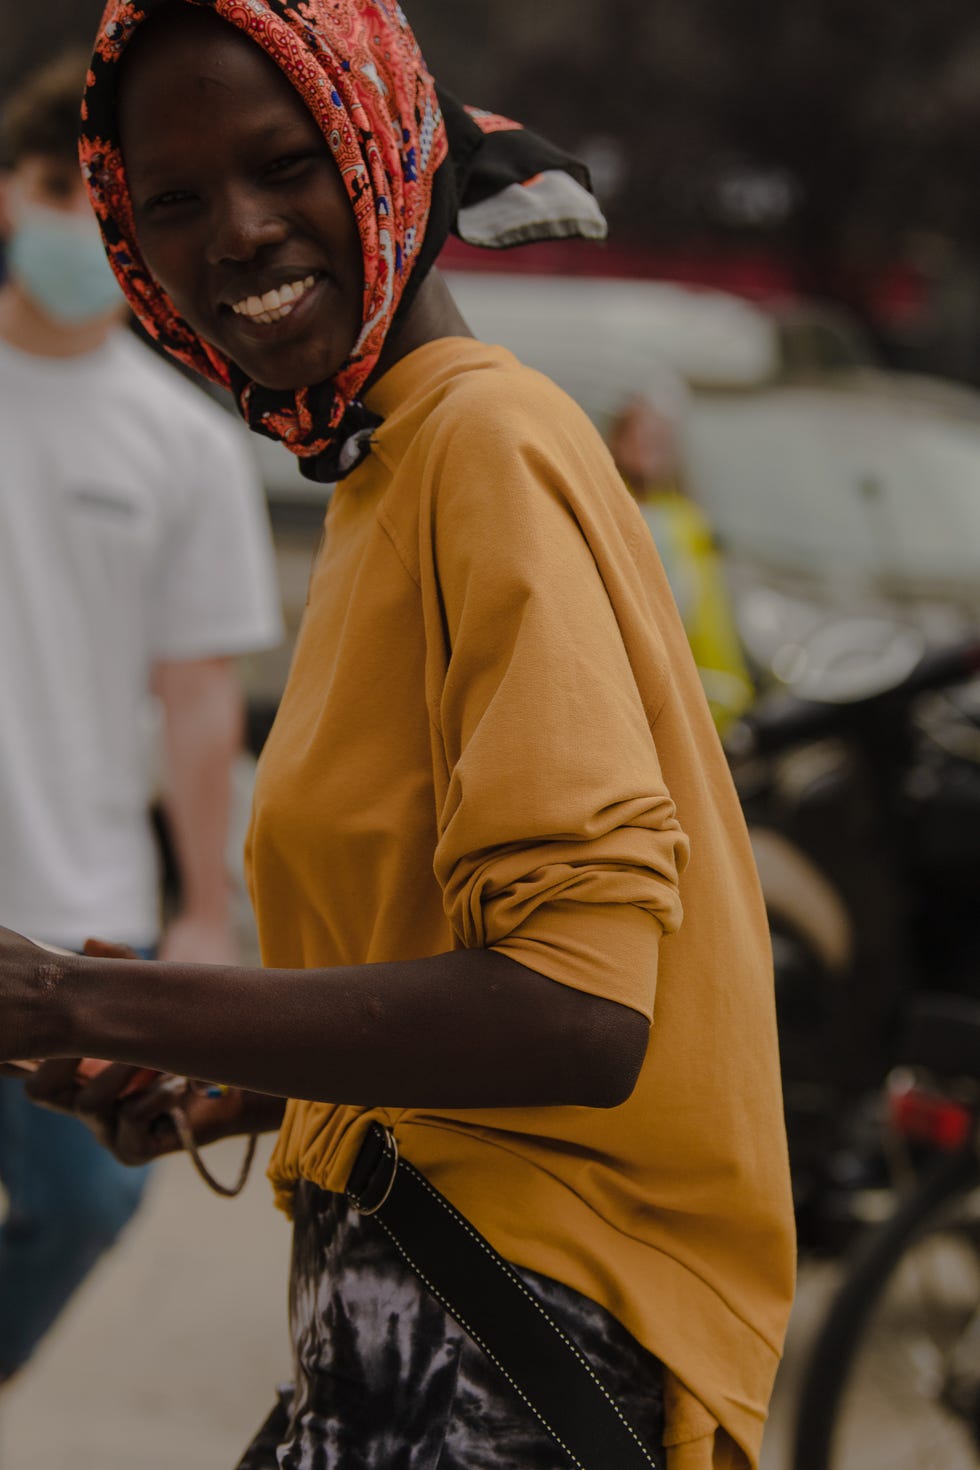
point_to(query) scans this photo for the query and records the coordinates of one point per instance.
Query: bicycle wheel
(876, 1387)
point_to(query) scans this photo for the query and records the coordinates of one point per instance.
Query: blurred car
(840, 498)
(602, 340)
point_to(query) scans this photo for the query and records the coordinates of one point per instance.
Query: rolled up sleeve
(559, 844)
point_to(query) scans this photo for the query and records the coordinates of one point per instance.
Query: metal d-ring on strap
(494, 1306)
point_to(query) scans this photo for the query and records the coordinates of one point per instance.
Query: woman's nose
(242, 224)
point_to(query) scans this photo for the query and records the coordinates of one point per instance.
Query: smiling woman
(468, 852)
(411, 161)
(231, 216)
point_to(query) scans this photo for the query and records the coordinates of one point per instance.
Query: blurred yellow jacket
(694, 569)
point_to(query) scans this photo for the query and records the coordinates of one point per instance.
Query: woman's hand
(98, 1100)
(137, 1127)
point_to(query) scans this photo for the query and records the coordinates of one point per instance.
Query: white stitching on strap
(478, 1340)
(512, 1275)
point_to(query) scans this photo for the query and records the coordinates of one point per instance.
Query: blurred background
(790, 300)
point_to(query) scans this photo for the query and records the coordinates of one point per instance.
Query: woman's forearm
(466, 1029)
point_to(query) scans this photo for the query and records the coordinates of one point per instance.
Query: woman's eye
(168, 200)
(290, 166)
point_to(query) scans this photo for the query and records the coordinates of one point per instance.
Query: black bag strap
(485, 1295)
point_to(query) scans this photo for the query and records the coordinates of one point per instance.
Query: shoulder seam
(387, 526)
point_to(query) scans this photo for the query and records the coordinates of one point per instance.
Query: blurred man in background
(134, 559)
(643, 440)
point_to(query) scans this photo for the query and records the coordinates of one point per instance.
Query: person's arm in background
(215, 597)
(203, 721)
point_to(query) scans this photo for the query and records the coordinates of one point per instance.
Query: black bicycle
(863, 803)
(893, 1375)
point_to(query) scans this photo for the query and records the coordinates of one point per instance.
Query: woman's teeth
(274, 305)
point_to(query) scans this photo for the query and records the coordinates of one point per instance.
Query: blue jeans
(67, 1201)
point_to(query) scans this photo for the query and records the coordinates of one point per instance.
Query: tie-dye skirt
(386, 1380)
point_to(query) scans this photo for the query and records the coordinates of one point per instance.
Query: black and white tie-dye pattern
(386, 1380)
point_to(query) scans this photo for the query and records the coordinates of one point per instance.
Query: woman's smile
(273, 314)
(276, 304)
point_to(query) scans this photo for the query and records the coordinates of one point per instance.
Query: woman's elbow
(611, 1050)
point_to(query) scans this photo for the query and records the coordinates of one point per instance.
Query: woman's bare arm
(468, 1029)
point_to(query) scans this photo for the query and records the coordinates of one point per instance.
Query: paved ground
(170, 1354)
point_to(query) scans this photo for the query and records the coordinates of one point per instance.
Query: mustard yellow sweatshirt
(494, 734)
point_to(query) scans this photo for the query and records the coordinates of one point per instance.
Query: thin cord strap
(189, 1143)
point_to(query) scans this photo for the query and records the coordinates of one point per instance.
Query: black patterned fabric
(386, 1380)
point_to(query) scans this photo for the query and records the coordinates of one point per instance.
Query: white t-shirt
(132, 529)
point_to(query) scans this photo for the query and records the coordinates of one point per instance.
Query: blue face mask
(60, 263)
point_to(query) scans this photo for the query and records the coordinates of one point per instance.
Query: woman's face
(241, 214)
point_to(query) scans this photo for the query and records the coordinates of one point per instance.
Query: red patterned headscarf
(416, 165)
